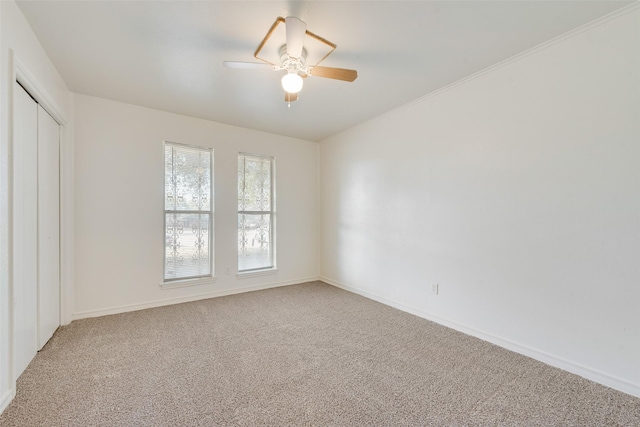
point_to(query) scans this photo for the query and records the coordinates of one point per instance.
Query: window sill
(257, 273)
(188, 282)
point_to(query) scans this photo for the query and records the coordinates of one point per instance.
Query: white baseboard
(6, 399)
(611, 381)
(189, 298)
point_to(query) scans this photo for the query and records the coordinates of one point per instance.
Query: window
(256, 212)
(187, 212)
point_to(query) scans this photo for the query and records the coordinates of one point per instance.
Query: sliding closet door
(36, 227)
(48, 226)
(25, 229)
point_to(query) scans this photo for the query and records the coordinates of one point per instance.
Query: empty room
(319, 213)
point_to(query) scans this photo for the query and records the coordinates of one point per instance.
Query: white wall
(19, 46)
(518, 192)
(119, 186)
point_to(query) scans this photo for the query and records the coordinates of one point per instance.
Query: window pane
(169, 190)
(187, 246)
(254, 183)
(187, 179)
(254, 241)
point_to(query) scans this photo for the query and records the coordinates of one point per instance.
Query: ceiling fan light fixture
(293, 56)
(292, 82)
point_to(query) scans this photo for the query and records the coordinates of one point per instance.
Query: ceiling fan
(287, 50)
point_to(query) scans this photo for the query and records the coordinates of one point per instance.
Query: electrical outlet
(435, 288)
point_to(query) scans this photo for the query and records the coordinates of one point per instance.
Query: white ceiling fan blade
(248, 65)
(296, 30)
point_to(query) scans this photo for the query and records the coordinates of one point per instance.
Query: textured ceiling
(168, 55)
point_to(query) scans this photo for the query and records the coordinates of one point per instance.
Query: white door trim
(20, 73)
(31, 84)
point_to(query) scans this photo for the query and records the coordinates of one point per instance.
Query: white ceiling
(168, 55)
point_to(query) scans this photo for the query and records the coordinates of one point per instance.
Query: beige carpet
(300, 355)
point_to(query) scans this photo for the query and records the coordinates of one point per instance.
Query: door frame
(21, 73)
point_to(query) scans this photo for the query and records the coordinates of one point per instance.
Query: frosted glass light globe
(292, 83)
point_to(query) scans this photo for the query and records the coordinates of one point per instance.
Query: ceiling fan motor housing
(293, 64)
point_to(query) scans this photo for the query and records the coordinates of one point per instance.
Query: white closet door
(25, 229)
(48, 226)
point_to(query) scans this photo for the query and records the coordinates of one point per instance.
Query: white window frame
(198, 279)
(252, 272)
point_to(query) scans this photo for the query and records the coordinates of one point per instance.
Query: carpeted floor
(300, 355)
